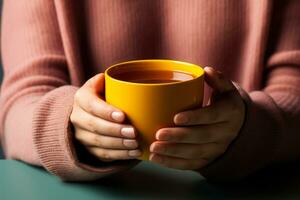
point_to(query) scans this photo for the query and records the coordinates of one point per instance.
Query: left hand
(201, 135)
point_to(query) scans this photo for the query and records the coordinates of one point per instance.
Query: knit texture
(50, 48)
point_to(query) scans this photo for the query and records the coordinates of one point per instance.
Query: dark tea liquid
(154, 76)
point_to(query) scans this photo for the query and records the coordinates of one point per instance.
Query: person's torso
(229, 35)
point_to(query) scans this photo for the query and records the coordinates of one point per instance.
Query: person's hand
(203, 134)
(98, 125)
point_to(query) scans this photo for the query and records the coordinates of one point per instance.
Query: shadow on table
(277, 183)
(146, 183)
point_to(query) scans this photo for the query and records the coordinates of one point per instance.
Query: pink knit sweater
(50, 48)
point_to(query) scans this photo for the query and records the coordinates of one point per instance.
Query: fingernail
(134, 153)
(181, 119)
(118, 116)
(130, 143)
(128, 132)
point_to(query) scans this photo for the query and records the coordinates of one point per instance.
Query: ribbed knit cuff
(255, 145)
(53, 139)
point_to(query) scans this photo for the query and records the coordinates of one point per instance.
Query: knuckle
(90, 106)
(107, 142)
(73, 116)
(124, 154)
(101, 109)
(94, 106)
(77, 95)
(90, 123)
(112, 129)
(74, 119)
(117, 128)
(106, 155)
(78, 136)
(103, 153)
(98, 140)
(120, 154)
(108, 108)
(103, 105)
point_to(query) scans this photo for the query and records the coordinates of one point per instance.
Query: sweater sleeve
(270, 133)
(37, 96)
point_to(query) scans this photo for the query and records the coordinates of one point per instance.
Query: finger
(186, 151)
(177, 163)
(88, 98)
(100, 126)
(207, 115)
(195, 135)
(212, 114)
(94, 105)
(217, 80)
(91, 139)
(95, 84)
(108, 154)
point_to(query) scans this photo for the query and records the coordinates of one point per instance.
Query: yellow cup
(151, 106)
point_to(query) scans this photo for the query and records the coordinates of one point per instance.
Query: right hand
(98, 125)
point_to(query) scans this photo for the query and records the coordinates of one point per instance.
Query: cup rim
(201, 71)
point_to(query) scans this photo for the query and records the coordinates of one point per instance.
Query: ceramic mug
(150, 106)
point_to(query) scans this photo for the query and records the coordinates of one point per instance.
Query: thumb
(217, 81)
(96, 83)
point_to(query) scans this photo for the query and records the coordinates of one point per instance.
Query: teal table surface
(145, 181)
